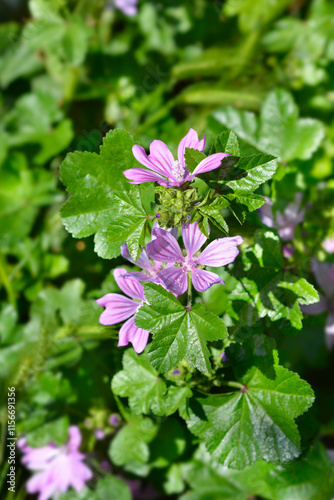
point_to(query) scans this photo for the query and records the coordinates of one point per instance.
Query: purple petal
(37, 458)
(266, 213)
(329, 330)
(139, 175)
(126, 254)
(175, 279)
(209, 163)
(189, 141)
(316, 308)
(324, 275)
(288, 251)
(287, 233)
(137, 275)
(202, 280)
(131, 333)
(143, 261)
(220, 252)
(129, 285)
(118, 308)
(128, 7)
(193, 238)
(164, 248)
(161, 158)
(74, 440)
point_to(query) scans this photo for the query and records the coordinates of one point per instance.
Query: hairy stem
(189, 293)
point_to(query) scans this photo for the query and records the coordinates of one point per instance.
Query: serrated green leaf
(259, 168)
(308, 478)
(177, 334)
(192, 158)
(226, 142)
(266, 288)
(258, 421)
(279, 130)
(140, 383)
(103, 202)
(250, 200)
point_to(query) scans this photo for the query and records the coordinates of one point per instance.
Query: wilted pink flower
(119, 308)
(328, 245)
(128, 7)
(59, 467)
(164, 169)
(284, 223)
(324, 275)
(165, 248)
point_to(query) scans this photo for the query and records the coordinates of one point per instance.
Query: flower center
(178, 171)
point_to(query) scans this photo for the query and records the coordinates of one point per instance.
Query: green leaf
(258, 168)
(279, 130)
(258, 421)
(209, 210)
(264, 288)
(192, 158)
(51, 432)
(140, 383)
(110, 487)
(177, 334)
(103, 202)
(226, 142)
(250, 200)
(307, 478)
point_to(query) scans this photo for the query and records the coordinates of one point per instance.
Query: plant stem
(189, 292)
(231, 383)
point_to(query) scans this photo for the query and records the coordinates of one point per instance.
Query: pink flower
(324, 275)
(60, 467)
(162, 167)
(284, 223)
(328, 245)
(128, 7)
(165, 248)
(120, 308)
(151, 268)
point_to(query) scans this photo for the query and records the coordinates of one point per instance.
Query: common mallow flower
(165, 248)
(150, 268)
(128, 7)
(164, 169)
(324, 275)
(119, 308)
(284, 223)
(58, 467)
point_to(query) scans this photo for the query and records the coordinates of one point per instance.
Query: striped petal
(118, 308)
(209, 163)
(193, 238)
(175, 279)
(131, 333)
(220, 252)
(164, 248)
(129, 285)
(189, 141)
(202, 280)
(139, 175)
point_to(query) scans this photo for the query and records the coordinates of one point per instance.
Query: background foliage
(71, 71)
